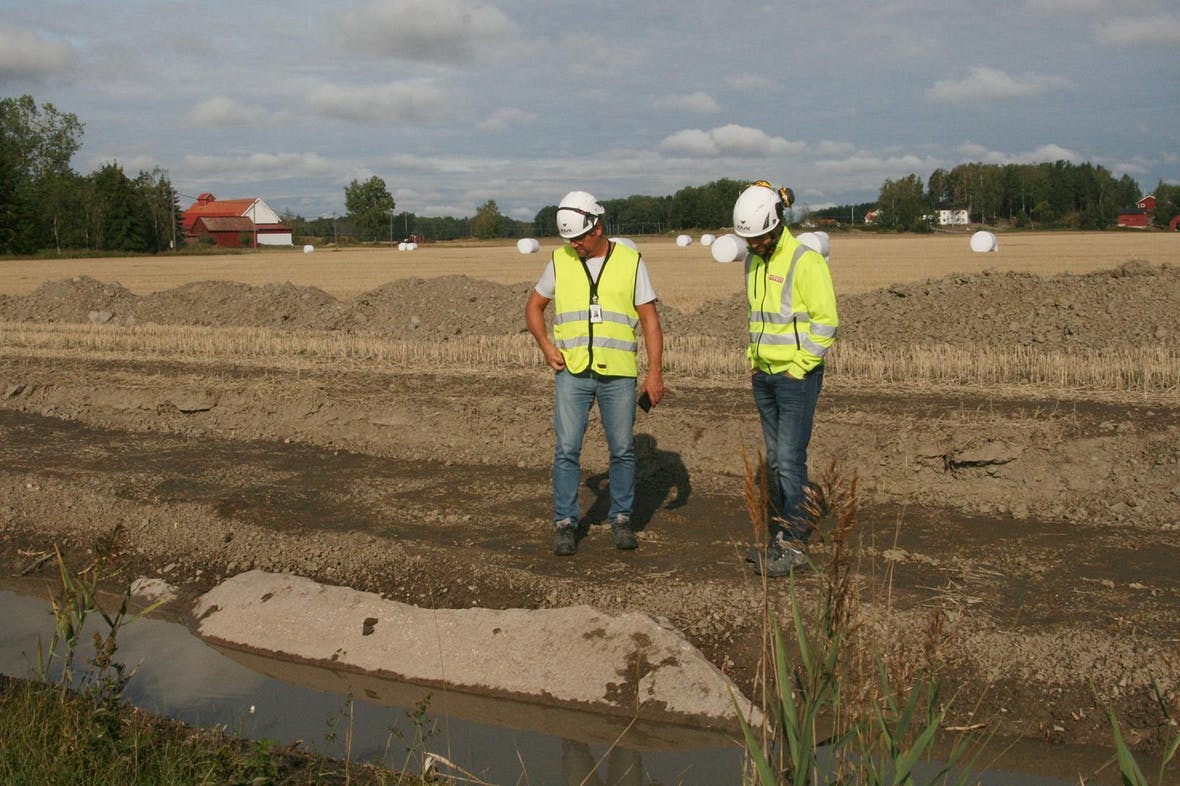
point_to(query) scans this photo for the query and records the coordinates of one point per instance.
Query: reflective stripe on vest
(609, 345)
(776, 336)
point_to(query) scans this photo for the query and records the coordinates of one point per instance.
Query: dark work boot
(781, 558)
(565, 539)
(623, 534)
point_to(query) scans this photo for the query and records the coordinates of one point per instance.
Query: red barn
(226, 231)
(262, 224)
(1134, 218)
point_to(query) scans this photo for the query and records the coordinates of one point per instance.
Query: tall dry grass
(1145, 372)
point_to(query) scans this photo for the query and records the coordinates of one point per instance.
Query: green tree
(36, 146)
(41, 140)
(370, 206)
(545, 222)
(161, 202)
(121, 213)
(903, 205)
(62, 201)
(1167, 204)
(707, 206)
(487, 221)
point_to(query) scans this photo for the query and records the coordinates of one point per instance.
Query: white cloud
(223, 111)
(992, 84)
(731, 139)
(1141, 31)
(503, 119)
(27, 55)
(749, 83)
(1071, 7)
(1044, 153)
(698, 102)
(433, 31)
(397, 102)
(238, 169)
(1048, 153)
(831, 148)
(875, 168)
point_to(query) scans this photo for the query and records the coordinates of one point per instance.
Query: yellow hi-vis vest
(793, 317)
(607, 347)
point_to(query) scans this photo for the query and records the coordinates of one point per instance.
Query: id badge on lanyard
(595, 312)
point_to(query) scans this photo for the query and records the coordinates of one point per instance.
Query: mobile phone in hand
(645, 402)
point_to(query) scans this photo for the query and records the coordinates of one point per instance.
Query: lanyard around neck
(591, 280)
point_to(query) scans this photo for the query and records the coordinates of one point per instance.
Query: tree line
(46, 206)
(1057, 195)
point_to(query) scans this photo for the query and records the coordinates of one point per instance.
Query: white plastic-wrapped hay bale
(411, 246)
(984, 241)
(626, 241)
(707, 240)
(816, 241)
(684, 241)
(826, 242)
(308, 249)
(728, 248)
(401, 246)
(528, 245)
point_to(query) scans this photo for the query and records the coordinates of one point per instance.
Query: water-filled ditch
(179, 675)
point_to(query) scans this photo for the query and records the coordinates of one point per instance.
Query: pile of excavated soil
(1135, 304)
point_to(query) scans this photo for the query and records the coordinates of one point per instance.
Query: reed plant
(1130, 770)
(821, 723)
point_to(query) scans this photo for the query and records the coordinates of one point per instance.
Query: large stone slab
(577, 657)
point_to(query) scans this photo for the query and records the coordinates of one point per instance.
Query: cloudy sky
(455, 102)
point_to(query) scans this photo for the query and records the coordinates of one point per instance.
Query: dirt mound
(432, 308)
(217, 303)
(78, 299)
(1137, 303)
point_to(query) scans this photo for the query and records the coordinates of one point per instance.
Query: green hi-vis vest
(607, 347)
(793, 318)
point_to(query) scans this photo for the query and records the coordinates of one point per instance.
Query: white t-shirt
(644, 291)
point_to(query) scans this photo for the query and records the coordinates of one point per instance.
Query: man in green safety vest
(601, 293)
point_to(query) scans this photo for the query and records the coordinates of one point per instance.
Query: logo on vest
(775, 279)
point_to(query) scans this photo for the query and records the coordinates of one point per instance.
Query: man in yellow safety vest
(601, 292)
(793, 322)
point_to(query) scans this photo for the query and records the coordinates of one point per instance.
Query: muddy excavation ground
(1041, 532)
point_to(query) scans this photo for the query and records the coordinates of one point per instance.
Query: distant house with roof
(235, 223)
(953, 217)
(1139, 216)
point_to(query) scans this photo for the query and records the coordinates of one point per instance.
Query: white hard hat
(757, 210)
(577, 213)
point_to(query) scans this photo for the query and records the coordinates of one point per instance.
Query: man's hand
(534, 320)
(553, 356)
(653, 385)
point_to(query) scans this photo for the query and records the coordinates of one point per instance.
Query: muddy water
(177, 674)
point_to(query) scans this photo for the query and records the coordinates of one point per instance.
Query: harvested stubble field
(380, 419)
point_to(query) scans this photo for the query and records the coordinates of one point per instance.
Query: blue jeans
(786, 407)
(575, 394)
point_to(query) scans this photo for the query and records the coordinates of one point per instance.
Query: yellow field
(684, 277)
